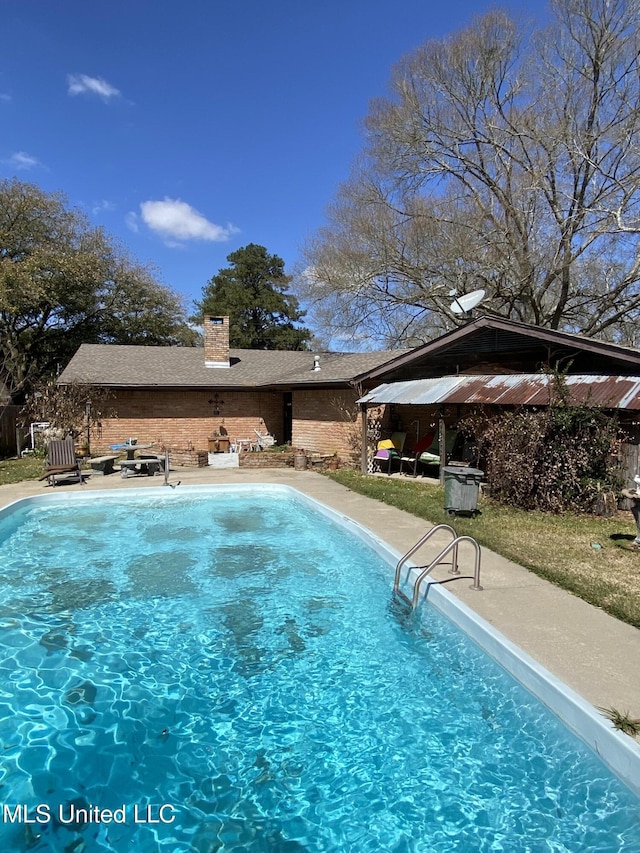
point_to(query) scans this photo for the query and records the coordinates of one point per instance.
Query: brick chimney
(216, 341)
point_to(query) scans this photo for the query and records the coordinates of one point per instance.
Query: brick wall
(323, 420)
(184, 419)
(266, 459)
(188, 458)
(216, 341)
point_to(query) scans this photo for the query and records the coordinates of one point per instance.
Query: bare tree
(505, 158)
(72, 409)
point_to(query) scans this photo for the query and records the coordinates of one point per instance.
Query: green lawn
(589, 556)
(17, 470)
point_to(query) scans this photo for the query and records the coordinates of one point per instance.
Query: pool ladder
(451, 548)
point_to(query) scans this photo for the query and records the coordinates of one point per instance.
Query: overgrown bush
(70, 409)
(554, 459)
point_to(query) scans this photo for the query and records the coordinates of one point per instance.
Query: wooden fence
(629, 454)
(8, 431)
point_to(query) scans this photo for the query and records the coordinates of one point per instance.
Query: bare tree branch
(505, 159)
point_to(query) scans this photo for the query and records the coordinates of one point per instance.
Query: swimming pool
(233, 657)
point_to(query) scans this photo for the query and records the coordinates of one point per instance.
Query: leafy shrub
(553, 459)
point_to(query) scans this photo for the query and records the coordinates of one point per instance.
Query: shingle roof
(170, 367)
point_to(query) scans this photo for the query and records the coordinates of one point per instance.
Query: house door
(287, 417)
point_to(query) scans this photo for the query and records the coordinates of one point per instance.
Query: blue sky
(189, 129)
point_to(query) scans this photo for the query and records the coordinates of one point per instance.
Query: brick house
(178, 397)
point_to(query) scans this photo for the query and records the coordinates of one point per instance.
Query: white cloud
(131, 220)
(174, 219)
(82, 84)
(103, 206)
(5, 97)
(23, 161)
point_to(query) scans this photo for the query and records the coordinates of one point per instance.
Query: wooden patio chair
(61, 461)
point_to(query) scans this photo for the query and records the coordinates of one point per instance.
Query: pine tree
(252, 292)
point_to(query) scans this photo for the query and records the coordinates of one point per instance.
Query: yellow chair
(389, 449)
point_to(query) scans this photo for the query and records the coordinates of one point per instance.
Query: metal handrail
(451, 546)
(412, 551)
(426, 570)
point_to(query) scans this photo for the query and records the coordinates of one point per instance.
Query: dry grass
(622, 720)
(591, 557)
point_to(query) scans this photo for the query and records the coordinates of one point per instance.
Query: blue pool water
(238, 659)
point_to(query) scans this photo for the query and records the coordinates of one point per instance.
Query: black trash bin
(461, 487)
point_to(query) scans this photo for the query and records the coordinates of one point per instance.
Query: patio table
(130, 449)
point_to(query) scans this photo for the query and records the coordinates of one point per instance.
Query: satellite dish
(467, 302)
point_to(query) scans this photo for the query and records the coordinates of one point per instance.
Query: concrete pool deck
(587, 649)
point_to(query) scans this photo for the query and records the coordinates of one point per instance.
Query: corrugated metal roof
(420, 392)
(521, 389)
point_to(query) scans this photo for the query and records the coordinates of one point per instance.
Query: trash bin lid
(467, 472)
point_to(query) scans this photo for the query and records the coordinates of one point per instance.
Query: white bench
(102, 465)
